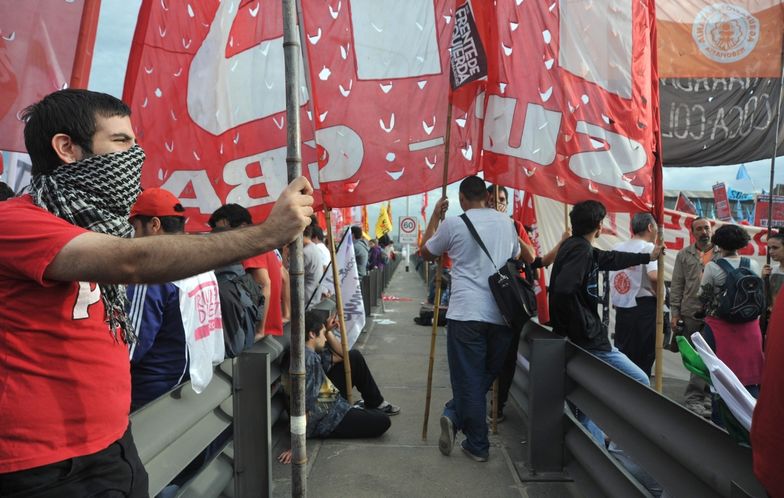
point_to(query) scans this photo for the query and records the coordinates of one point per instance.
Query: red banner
(380, 78)
(685, 205)
(723, 211)
(38, 41)
(761, 211)
(572, 107)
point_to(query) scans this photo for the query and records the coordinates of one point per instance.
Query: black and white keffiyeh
(97, 193)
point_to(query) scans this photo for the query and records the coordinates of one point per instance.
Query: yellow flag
(365, 222)
(384, 223)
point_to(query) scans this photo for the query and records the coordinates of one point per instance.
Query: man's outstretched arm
(95, 257)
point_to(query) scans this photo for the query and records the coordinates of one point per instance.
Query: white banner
(353, 308)
(616, 229)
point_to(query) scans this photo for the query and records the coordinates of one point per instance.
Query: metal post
(291, 53)
(252, 424)
(546, 394)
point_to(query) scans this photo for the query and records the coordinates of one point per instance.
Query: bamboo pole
(339, 302)
(494, 402)
(439, 270)
(298, 422)
(658, 370)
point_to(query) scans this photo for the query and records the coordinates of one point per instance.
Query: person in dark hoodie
(574, 287)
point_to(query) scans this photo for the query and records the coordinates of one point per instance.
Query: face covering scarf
(97, 193)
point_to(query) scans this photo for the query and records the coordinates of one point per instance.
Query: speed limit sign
(408, 229)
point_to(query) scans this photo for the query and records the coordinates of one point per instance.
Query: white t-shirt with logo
(471, 299)
(203, 324)
(633, 282)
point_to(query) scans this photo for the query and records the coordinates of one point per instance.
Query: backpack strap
(725, 265)
(476, 236)
(745, 262)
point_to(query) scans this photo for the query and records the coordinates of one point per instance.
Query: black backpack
(242, 305)
(512, 292)
(743, 297)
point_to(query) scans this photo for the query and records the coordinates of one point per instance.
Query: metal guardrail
(245, 396)
(685, 454)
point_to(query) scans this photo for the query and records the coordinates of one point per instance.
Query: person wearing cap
(178, 324)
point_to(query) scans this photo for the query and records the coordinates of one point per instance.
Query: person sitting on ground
(738, 345)
(168, 350)
(328, 413)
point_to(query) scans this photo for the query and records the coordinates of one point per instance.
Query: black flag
(467, 56)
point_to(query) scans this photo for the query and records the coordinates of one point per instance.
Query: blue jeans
(621, 362)
(476, 352)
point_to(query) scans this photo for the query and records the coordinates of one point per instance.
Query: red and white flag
(684, 204)
(572, 100)
(38, 41)
(525, 215)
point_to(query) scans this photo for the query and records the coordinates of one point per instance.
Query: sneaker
(500, 418)
(472, 456)
(447, 439)
(360, 404)
(388, 408)
(698, 408)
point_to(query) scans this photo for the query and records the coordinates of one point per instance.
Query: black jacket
(574, 290)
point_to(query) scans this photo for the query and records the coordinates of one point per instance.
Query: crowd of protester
(84, 231)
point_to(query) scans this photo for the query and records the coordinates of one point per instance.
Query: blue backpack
(743, 297)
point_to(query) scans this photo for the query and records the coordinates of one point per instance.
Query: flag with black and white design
(467, 55)
(353, 308)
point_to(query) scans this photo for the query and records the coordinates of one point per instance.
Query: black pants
(113, 472)
(507, 371)
(359, 423)
(635, 332)
(361, 378)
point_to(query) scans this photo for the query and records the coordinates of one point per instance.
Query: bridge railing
(233, 417)
(685, 454)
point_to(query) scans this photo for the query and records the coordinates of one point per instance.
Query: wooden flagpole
(494, 402)
(339, 303)
(439, 270)
(297, 419)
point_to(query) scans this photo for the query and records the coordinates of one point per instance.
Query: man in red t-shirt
(64, 331)
(266, 269)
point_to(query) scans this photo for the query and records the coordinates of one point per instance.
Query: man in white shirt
(633, 294)
(477, 335)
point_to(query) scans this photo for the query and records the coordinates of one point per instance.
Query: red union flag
(572, 102)
(380, 73)
(206, 84)
(37, 50)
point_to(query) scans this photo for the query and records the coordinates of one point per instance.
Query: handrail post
(252, 425)
(546, 396)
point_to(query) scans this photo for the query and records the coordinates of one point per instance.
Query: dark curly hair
(730, 237)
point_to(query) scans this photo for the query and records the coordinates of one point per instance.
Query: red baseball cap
(157, 202)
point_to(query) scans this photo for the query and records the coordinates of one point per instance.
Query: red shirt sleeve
(30, 238)
(259, 261)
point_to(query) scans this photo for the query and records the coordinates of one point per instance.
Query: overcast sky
(118, 21)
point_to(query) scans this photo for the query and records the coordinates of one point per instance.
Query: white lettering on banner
(596, 43)
(407, 25)
(89, 294)
(342, 145)
(225, 93)
(756, 113)
(205, 199)
(540, 131)
(609, 167)
(538, 144)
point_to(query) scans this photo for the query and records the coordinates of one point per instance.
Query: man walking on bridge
(477, 335)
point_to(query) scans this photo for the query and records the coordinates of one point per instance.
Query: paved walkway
(400, 463)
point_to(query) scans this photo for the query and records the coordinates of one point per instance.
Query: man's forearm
(95, 257)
